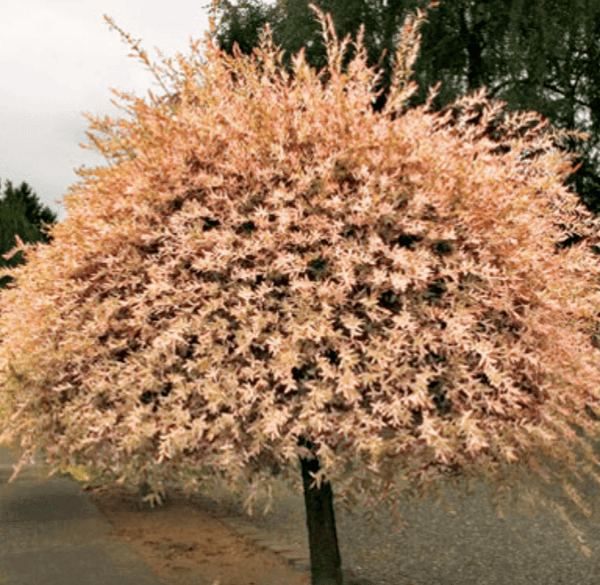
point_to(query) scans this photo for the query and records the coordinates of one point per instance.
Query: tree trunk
(325, 562)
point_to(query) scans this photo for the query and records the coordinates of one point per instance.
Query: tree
(519, 52)
(270, 272)
(22, 214)
(540, 56)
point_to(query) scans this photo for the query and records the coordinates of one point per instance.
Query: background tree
(21, 213)
(293, 27)
(539, 56)
(293, 277)
(519, 51)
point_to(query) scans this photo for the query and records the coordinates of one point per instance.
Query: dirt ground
(186, 545)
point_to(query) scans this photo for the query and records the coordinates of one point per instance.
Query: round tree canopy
(266, 261)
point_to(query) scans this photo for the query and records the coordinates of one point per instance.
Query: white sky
(57, 61)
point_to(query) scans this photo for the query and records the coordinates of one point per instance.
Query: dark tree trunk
(325, 562)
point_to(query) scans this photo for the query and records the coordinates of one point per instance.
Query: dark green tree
(293, 27)
(21, 213)
(539, 56)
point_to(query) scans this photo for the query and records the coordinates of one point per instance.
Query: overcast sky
(57, 60)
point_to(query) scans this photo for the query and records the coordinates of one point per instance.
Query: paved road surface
(52, 535)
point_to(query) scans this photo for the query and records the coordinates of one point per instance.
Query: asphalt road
(52, 534)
